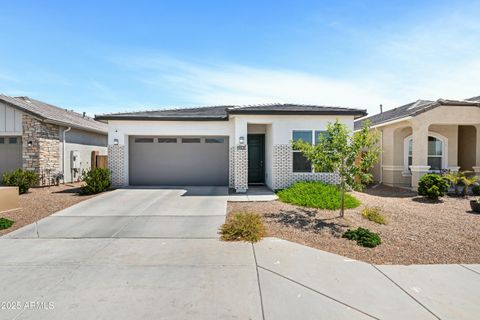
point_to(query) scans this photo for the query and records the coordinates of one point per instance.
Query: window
(190, 140)
(318, 133)
(435, 153)
(143, 140)
(167, 140)
(2, 140)
(300, 163)
(436, 157)
(214, 140)
(12, 140)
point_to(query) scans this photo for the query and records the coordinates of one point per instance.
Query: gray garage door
(178, 161)
(10, 154)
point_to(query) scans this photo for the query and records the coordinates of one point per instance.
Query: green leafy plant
(373, 214)
(244, 226)
(432, 186)
(96, 180)
(350, 155)
(364, 237)
(20, 178)
(316, 194)
(454, 178)
(467, 182)
(476, 190)
(5, 223)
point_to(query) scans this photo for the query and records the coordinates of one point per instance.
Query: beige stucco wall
(445, 121)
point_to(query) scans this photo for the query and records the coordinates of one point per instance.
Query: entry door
(256, 158)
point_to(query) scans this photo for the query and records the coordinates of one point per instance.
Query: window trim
(444, 155)
(312, 133)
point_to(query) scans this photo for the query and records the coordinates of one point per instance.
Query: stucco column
(476, 168)
(419, 165)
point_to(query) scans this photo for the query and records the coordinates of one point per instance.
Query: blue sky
(114, 56)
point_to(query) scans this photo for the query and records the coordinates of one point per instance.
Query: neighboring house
(220, 145)
(427, 136)
(46, 139)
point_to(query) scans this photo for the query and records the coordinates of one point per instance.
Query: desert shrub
(476, 190)
(20, 178)
(373, 214)
(432, 186)
(96, 180)
(5, 223)
(244, 226)
(316, 195)
(364, 237)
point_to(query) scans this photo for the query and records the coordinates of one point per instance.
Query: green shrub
(5, 223)
(432, 186)
(20, 178)
(244, 226)
(364, 237)
(316, 195)
(373, 214)
(476, 190)
(96, 180)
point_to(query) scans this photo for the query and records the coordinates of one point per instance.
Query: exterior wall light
(30, 143)
(115, 142)
(241, 140)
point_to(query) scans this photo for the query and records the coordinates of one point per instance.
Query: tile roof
(218, 113)
(412, 109)
(55, 114)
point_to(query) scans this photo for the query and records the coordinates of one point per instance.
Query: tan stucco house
(427, 136)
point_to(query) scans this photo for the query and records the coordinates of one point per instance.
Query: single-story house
(49, 140)
(235, 146)
(427, 136)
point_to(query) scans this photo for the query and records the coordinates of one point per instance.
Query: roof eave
(356, 113)
(146, 118)
(66, 124)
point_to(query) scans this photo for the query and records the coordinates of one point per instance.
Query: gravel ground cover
(39, 203)
(418, 231)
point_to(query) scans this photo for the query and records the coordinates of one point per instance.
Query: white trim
(419, 168)
(393, 168)
(385, 123)
(438, 136)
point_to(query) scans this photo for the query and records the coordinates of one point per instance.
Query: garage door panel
(10, 154)
(178, 163)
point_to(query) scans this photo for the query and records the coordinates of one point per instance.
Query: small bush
(316, 195)
(432, 186)
(20, 178)
(476, 190)
(244, 226)
(373, 214)
(5, 223)
(364, 237)
(96, 180)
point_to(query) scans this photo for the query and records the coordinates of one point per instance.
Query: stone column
(476, 168)
(419, 165)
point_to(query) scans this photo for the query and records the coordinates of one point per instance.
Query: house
(49, 140)
(221, 145)
(427, 136)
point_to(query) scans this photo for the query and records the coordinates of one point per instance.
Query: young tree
(350, 155)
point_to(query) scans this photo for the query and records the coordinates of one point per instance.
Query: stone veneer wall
(43, 156)
(116, 164)
(240, 168)
(283, 175)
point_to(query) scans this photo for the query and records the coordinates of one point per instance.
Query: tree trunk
(342, 205)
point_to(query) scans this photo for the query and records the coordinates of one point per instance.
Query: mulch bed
(39, 203)
(418, 231)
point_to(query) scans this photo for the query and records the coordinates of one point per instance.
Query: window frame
(137, 140)
(444, 156)
(192, 140)
(214, 140)
(167, 140)
(314, 142)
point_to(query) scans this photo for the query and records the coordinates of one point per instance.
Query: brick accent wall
(43, 156)
(240, 170)
(116, 164)
(282, 171)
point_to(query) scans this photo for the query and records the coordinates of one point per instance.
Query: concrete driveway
(154, 254)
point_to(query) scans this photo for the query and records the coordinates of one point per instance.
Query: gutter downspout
(64, 157)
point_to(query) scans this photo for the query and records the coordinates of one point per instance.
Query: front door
(256, 158)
